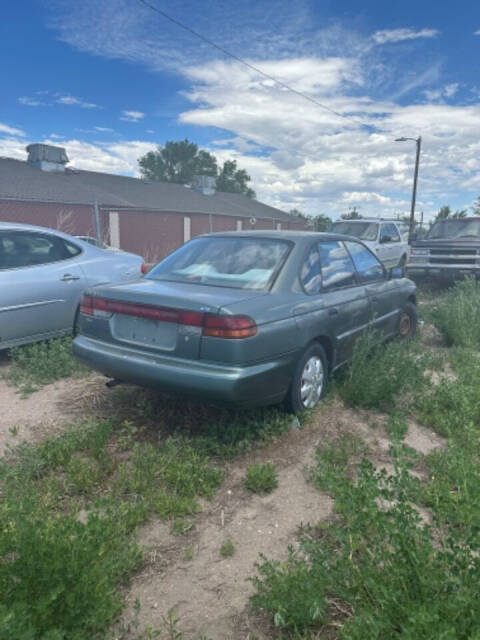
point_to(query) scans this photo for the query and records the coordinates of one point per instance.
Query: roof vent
(46, 157)
(204, 184)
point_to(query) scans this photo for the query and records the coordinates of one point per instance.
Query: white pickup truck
(388, 239)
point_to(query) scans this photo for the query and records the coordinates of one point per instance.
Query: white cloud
(385, 36)
(477, 32)
(76, 102)
(30, 102)
(132, 116)
(448, 91)
(104, 129)
(12, 131)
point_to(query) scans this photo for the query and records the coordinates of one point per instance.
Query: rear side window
(238, 262)
(337, 266)
(310, 274)
(368, 267)
(28, 249)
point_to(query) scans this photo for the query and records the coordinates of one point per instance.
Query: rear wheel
(309, 381)
(407, 325)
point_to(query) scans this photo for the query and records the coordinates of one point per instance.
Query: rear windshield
(241, 263)
(448, 229)
(361, 230)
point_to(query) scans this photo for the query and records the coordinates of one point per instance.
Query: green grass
(377, 571)
(380, 376)
(227, 549)
(41, 363)
(457, 314)
(69, 512)
(218, 431)
(261, 477)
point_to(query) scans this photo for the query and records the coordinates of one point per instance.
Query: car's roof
(295, 236)
(24, 227)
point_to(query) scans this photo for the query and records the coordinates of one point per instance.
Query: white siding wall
(114, 228)
(187, 229)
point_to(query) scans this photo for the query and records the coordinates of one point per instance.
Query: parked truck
(451, 249)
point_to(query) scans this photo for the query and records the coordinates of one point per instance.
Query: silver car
(43, 273)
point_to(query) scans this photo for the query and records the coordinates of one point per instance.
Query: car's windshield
(361, 230)
(242, 263)
(450, 229)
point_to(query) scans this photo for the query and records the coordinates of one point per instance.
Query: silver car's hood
(176, 294)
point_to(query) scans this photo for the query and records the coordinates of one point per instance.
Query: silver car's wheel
(312, 381)
(309, 380)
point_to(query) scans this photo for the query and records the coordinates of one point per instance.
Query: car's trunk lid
(164, 316)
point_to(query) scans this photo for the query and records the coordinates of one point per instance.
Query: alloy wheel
(312, 381)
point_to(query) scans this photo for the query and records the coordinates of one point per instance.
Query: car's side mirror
(385, 239)
(396, 273)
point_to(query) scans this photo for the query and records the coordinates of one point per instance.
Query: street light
(418, 141)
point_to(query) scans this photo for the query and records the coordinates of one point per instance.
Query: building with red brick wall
(148, 218)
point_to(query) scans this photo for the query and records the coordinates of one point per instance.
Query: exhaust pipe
(113, 383)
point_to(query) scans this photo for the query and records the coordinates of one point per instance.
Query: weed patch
(261, 477)
(381, 374)
(68, 515)
(457, 315)
(36, 365)
(227, 549)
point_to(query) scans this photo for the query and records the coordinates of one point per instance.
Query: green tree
(177, 162)
(322, 222)
(180, 161)
(445, 213)
(234, 180)
(476, 207)
(351, 215)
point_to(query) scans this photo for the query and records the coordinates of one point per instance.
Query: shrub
(227, 549)
(261, 477)
(380, 374)
(458, 314)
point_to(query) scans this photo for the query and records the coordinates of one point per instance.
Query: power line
(247, 64)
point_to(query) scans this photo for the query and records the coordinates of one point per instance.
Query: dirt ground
(210, 593)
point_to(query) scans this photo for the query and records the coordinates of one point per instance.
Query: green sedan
(251, 318)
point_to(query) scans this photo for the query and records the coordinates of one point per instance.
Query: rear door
(40, 285)
(381, 291)
(336, 304)
(345, 300)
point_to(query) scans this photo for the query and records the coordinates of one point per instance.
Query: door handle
(67, 277)
(333, 312)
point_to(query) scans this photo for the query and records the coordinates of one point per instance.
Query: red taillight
(86, 305)
(143, 268)
(212, 325)
(229, 326)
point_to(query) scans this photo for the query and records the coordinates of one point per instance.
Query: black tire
(402, 262)
(407, 323)
(294, 403)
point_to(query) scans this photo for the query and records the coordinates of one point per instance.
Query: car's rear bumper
(256, 384)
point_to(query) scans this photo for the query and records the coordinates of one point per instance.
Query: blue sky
(109, 79)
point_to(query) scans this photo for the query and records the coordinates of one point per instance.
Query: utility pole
(418, 142)
(98, 230)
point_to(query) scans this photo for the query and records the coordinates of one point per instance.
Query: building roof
(21, 181)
